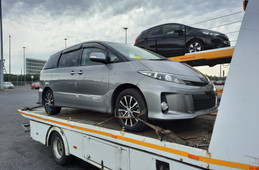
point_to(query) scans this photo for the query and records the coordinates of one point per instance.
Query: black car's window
(135, 53)
(155, 31)
(142, 35)
(69, 59)
(52, 62)
(86, 56)
(171, 29)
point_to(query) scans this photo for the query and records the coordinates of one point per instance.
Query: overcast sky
(42, 25)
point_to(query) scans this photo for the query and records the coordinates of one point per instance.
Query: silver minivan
(126, 81)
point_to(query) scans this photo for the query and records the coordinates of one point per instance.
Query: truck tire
(58, 149)
(131, 102)
(48, 102)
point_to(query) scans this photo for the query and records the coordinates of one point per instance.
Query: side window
(69, 59)
(171, 29)
(86, 56)
(154, 31)
(114, 58)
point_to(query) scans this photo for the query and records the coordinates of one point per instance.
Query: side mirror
(98, 57)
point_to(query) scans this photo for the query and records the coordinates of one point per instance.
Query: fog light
(164, 106)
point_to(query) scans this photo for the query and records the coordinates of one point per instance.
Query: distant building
(34, 66)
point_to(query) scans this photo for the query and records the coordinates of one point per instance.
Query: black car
(175, 39)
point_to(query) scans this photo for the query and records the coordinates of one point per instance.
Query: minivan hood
(178, 69)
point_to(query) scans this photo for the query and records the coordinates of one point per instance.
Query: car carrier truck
(229, 140)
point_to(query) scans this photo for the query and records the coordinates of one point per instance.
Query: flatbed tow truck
(226, 141)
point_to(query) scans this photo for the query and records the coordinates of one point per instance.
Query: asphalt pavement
(17, 149)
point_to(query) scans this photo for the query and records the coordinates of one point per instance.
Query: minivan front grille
(203, 101)
(193, 83)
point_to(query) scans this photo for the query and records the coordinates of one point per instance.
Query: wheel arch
(119, 89)
(193, 39)
(50, 133)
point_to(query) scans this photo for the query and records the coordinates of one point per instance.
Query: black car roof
(165, 24)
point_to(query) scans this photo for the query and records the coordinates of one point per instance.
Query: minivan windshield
(136, 53)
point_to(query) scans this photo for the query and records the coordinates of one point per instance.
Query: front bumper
(181, 99)
(213, 42)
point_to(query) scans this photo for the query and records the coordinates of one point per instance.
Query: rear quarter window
(52, 61)
(156, 31)
(142, 35)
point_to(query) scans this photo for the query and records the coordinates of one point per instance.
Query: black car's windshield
(135, 53)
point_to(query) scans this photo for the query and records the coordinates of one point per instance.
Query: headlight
(214, 34)
(206, 32)
(214, 88)
(162, 76)
(210, 33)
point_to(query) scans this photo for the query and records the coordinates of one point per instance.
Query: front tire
(131, 102)
(194, 46)
(58, 149)
(48, 102)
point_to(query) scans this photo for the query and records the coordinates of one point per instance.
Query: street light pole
(125, 28)
(21, 76)
(220, 71)
(9, 57)
(24, 65)
(65, 42)
(1, 49)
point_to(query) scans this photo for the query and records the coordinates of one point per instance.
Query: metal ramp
(207, 57)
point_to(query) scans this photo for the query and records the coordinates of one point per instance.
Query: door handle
(80, 72)
(72, 72)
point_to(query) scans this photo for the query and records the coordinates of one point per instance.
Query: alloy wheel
(49, 101)
(129, 106)
(195, 47)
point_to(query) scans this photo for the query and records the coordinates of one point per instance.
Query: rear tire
(48, 102)
(131, 102)
(58, 149)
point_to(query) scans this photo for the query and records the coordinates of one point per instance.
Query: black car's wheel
(48, 102)
(58, 149)
(194, 46)
(131, 102)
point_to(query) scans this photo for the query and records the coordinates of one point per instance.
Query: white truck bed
(191, 132)
(94, 143)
